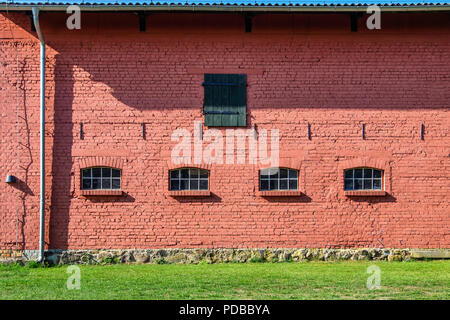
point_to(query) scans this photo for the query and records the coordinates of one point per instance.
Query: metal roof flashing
(227, 5)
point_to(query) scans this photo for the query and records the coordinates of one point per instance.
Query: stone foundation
(11, 254)
(194, 256)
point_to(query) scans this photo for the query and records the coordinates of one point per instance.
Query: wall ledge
(365, 193)
(100, 192)
(190, 193)
(280, 193)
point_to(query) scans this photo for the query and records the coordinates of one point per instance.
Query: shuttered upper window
(225, 100)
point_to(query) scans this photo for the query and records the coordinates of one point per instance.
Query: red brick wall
(300, 69)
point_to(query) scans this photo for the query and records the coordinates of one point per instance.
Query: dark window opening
(363, 179)
(101, 178)
(189, 179)
(278, 179)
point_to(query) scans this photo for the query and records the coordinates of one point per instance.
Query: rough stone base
(194, 256)
(430, 253)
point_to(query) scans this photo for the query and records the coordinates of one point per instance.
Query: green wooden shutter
(225, 100)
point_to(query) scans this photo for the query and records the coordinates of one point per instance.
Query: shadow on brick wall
(213, 198)
(61, 169)
(286, 199)
(125, 197)
(386, 198)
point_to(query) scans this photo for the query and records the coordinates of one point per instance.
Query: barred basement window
(363, 179)
(103, 178)
(189, 179)
(278, 179)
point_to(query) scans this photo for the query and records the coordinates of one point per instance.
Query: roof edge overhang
(228, 8)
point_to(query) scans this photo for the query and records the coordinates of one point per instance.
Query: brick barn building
(362, 117)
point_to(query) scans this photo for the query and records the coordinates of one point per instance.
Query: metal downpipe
(35, 11)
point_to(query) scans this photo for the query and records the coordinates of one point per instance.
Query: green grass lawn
(311, 280)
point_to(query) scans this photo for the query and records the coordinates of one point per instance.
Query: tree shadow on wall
(63, 191)
(62, 161)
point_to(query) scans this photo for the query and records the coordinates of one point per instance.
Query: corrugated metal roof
(246, 3)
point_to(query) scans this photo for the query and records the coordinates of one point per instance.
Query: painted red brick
(300, 69)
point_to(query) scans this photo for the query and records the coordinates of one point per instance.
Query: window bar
(353, 179)
(309, 131)
(278, 178)
(363, 131)
(422, 131)
(143, 133)
(198, 179)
